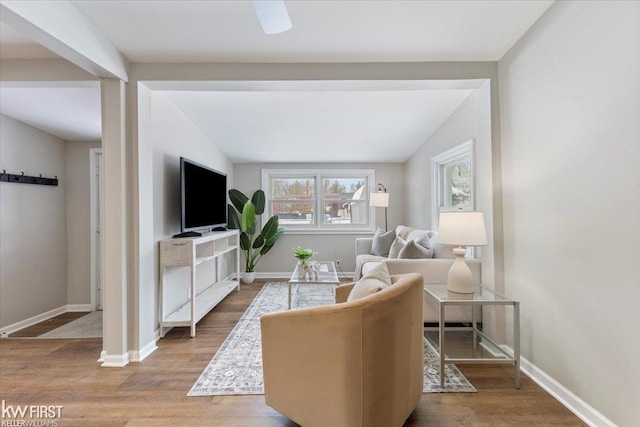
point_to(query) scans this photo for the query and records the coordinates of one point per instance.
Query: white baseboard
(139, 355)
(579, 407)
(114, 360)
(9, 329)
(79, 307)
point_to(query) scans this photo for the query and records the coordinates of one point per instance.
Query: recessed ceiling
(321, 121)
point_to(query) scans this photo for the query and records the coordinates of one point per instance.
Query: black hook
(39, 175)
(21, 173)
(3, 172)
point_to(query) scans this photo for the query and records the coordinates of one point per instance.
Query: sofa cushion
(382, 242)
(376, 280)
(440, 250)
(396, 247)
(415, 250)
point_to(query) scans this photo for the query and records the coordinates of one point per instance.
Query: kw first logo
(30, 415)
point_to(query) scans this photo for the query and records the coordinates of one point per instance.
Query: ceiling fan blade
(273, 15)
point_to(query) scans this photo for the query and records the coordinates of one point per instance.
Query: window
(452, 186)
(318, 201)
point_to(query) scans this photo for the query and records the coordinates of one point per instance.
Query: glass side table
(481, 297)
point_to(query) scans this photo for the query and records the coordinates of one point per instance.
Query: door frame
(96, 212)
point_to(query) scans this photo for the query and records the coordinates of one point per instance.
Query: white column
(114, 272)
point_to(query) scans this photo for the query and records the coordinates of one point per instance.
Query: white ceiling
(368, 124)
(322, 121)
(68, 110)
(323, 30)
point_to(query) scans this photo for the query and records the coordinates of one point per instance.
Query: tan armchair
(357, 363)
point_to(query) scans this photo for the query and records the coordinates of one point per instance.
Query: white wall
(570, 109)
(78, 219)
(472, 120)
(33, 235)
(165, 135)
(330, 247)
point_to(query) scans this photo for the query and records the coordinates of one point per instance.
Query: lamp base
(459, 279)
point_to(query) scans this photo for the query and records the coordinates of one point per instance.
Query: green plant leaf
(245, 242)
(272, 241)
(258, 242)
(270, 227)
(238, 199)
(248, 221)
(233, 222)
(258, 199)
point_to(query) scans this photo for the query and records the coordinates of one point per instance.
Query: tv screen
(203, 193)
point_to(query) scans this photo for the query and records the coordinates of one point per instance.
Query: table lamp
(380, 199)
(462, 228)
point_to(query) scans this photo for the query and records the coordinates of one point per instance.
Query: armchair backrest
(358, 363)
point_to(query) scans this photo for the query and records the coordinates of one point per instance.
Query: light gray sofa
(433, 269)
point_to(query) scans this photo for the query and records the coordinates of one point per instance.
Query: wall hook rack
(27, 179)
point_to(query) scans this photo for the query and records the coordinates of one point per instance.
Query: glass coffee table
(327, 275)
(489, 351)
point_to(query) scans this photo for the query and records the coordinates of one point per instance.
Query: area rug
(87, 326)
(237, 366)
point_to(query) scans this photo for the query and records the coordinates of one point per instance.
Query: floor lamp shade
(461, 228)
(380, 200)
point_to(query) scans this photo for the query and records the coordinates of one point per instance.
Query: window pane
(345, 212)
(456, 181)
(313, 200)
(344, 188)
(293, 213)
(292, 188)
(344, 200)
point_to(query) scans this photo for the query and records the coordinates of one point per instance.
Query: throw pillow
(396, 247)
(382, 242)
(414, 250)
(374, 281)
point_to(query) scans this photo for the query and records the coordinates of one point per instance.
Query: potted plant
(254, 244)
(303, 255)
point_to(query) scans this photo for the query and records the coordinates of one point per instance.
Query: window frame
(455, 154)
(318, 226)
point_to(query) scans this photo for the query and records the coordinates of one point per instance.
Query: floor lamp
(380, 199)
(461, 228)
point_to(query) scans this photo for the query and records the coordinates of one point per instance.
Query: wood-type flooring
(154, 392)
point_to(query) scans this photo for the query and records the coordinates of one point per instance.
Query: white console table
(190, 252)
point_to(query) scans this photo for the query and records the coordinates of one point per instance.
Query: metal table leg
(516, 343)
(441, 331)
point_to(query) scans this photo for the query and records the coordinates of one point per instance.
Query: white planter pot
(248, 277)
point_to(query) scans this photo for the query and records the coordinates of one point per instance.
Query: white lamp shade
(462, 228)
(379, 200)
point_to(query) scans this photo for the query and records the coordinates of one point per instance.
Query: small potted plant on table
(303, 255)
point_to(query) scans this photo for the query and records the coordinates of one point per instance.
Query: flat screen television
(203, 197)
